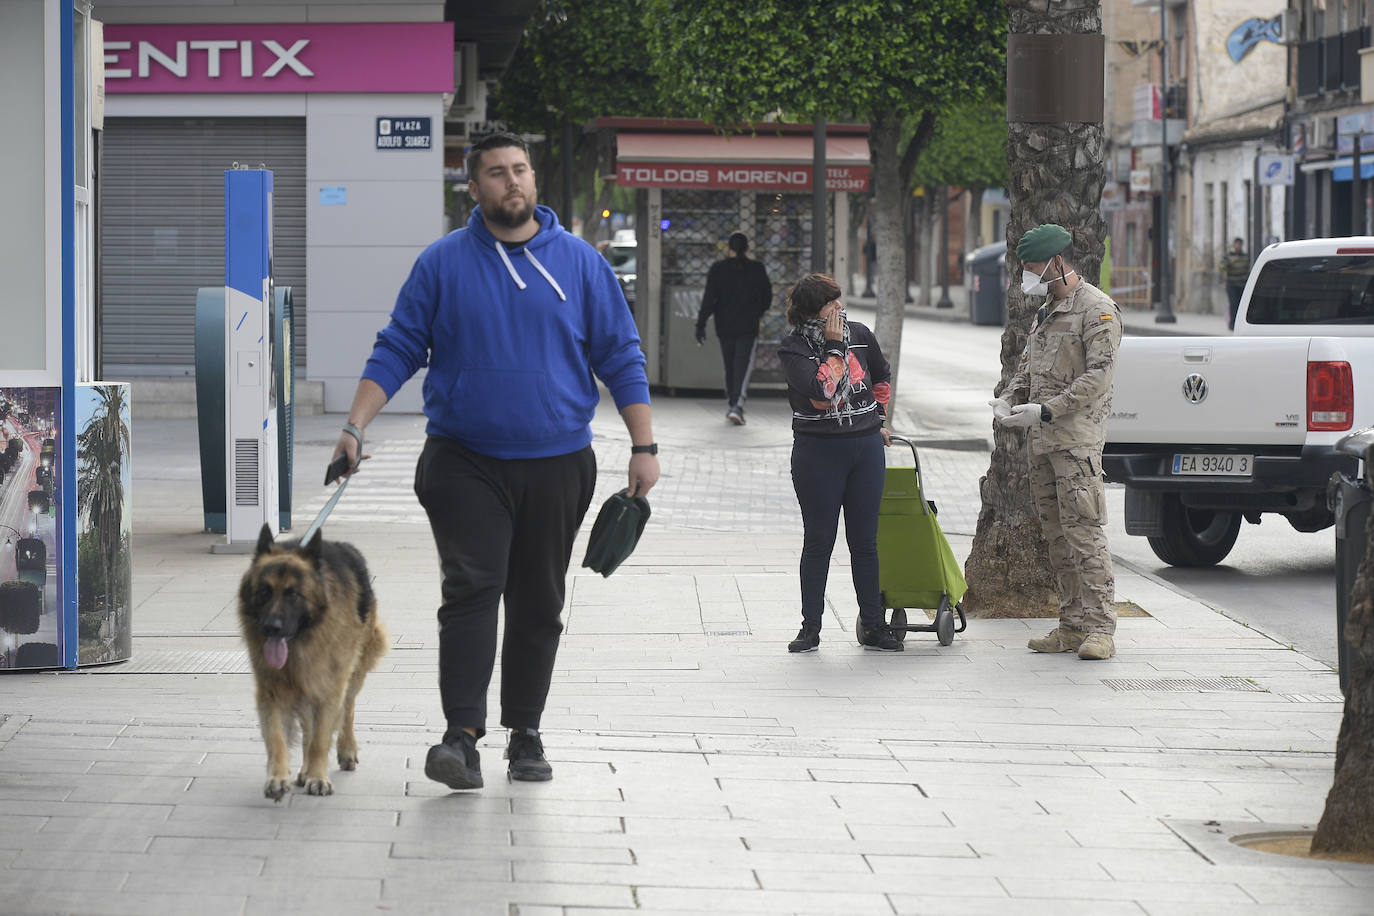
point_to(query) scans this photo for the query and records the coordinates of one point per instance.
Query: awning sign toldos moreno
(751, 163)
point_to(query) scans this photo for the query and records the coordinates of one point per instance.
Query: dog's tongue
(274, 652)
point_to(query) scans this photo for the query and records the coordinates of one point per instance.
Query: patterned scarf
(813, 330)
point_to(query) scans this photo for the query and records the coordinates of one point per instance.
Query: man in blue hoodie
(516, 319)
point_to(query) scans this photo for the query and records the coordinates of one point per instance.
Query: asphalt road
(1277, 580)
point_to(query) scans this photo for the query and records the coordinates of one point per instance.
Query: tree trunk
(890, 271)
(926, 217)
(1347, 824)
(1056, 177)
(973, 226)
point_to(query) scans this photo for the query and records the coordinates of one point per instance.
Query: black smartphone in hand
(337, 468)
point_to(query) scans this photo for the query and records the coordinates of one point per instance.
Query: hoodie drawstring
(510, 269)
(547, 276)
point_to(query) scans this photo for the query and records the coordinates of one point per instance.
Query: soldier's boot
(1097, 646)
(1060, 639)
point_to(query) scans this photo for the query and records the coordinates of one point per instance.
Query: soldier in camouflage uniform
(1061, 395)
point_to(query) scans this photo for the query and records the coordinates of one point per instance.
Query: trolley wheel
(898, 623)
(944, 622)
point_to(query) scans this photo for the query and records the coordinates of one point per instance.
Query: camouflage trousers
(1067, 490)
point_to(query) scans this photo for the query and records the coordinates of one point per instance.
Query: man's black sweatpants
(738, 355)
(503, 527)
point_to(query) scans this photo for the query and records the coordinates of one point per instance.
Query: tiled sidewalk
(699, 767)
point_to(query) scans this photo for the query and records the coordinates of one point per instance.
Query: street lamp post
(818, 202)
(1166, 310)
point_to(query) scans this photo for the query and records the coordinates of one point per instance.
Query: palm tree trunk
(1056, 177)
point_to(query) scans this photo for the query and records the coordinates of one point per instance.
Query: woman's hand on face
(834, 324)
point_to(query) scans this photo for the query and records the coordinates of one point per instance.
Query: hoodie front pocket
(502, 405)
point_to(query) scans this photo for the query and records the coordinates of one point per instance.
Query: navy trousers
(830, 475)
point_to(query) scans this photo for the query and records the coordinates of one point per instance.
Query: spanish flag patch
(1105, 316)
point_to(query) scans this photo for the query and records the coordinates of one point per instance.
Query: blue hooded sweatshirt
(512, 336)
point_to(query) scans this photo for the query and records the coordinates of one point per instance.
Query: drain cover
(1183, 684)
(1314, 698)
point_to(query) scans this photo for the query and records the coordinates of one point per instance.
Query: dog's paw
(321, 786)
(275, 789)
(348, 760)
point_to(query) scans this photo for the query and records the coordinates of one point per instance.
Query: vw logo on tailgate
(1195, 388)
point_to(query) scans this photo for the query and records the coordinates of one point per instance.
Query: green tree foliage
(90, 571)
(578, 60)
(890, 63)
(732, 62)
(968, 148)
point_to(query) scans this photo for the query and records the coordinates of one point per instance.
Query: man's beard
(511, 213)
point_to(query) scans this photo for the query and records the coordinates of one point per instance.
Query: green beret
(1042, 243)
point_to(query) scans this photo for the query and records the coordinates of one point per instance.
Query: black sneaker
(808, 639)
(880, 637)
(526, 755)
(456, 763)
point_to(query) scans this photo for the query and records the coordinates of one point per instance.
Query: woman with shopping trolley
(838, 384)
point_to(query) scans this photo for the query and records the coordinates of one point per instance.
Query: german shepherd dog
(309, 617)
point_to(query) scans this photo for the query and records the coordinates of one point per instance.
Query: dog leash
(324, 513)
(337, 469)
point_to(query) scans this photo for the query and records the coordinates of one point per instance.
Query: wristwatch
(1045, 415)
(650, 449)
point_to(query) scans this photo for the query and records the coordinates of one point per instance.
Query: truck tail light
(1330, 396)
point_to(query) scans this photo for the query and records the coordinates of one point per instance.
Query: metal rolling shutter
(162, 230)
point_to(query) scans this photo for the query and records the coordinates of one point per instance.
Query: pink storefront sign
(312, 57)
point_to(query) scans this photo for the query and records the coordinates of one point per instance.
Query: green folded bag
(616, 532)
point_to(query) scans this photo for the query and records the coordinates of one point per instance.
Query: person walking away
(738, 293)
(839, 385)
(1061, 396)
(513, 315)
(1235, 267)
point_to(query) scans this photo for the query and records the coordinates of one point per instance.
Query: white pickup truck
(1207, 431)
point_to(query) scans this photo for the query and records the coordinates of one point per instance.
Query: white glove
(1022, 415)
(1000, 408)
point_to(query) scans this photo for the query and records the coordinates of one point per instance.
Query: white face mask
(1033, 284)
(1036, 285)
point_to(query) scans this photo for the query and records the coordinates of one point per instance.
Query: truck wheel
(1194, 537)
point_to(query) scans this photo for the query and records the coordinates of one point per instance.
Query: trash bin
(1350, 499)
(985, 278)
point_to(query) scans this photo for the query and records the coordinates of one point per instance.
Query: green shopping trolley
(917, 569)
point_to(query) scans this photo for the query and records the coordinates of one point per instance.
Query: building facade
(1326, 116)
(1236, 91)
(349, 105)
(1261, 107)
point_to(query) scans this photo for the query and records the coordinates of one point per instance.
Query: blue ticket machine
(250, 402)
